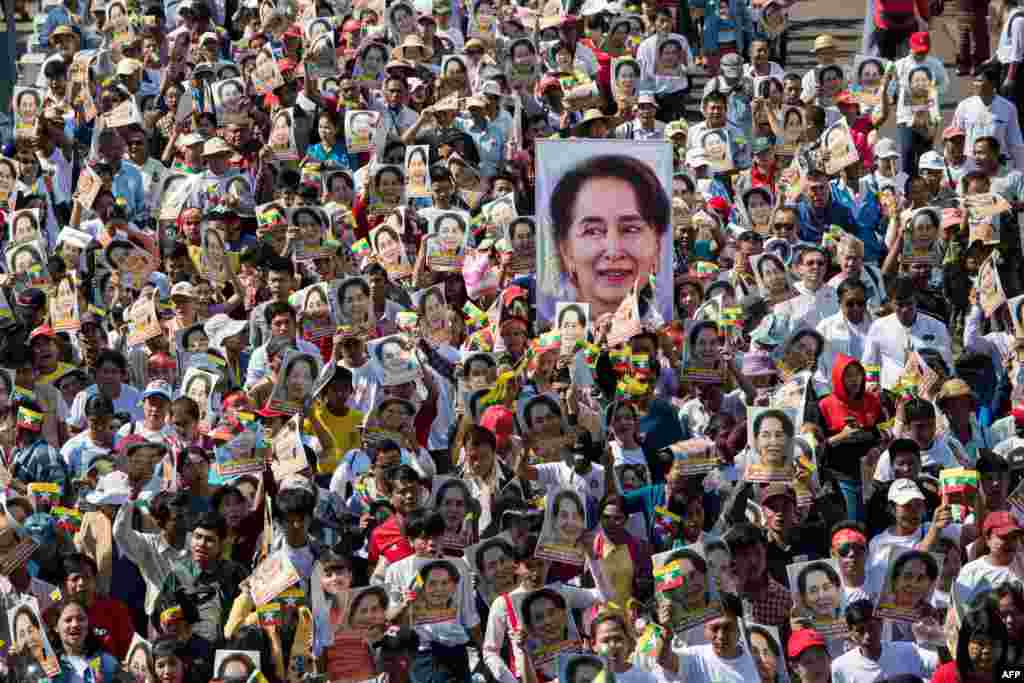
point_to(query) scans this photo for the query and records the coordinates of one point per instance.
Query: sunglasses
(850, 549)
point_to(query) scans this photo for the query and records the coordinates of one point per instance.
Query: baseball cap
(646, 98)
(824, 42)
(498, 420)
(1002, 523)
(953, 132)
(190, 139)
(128, 67)
(158, 387)
(920, 42)
(886, 149)
(63, 30)
(42, 331)
(931, 161)
(491, 88)
(732, 65)
(215, 146)
(902, 491)
(183, 289)
(803, 640)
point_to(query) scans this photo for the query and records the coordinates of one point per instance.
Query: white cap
(220, 327)
(902, 491)
(886, 149)
(158, 387)
(490, 88)
(695, 158)
(189, 139)
(646, 98)
(931, 161)
(112, 489)
(183, 289)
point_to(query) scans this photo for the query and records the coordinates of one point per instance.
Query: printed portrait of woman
(24, 259)
(139, 662)
(495, 563)
(368, 612)
(771, 272)
(920, 82)
(372, 59)
(773, 436)
(766, 651)
(388, 245)
(924, 230)
(625, 77)
(582, 669)
(215, 255)
(436, 597)
(565, 522)
(671, 58)
(28, 104)
(300, 371)
(24, 227)
(830, 81)
(453, 500)
(198, 388)
(281, 131)
(317, 28)
(450, 228)
(545, 617)
(235, 666)
(316, 313)
(454, 72)
(432, 310)
(793, 124)
(402, 19)
(572, 324)
(229, 94)
(8, 176)
(389, 185)
(417, 165)
(523, 54)
(820, 591)
(29, 638)
(694, 593)
(869, 73)
(715, 144)
(912, 578)
(322, 56)
(609, 215)
(194, 339)
(227, 71)
(354, 302)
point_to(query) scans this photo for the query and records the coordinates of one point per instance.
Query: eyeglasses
(850, 549)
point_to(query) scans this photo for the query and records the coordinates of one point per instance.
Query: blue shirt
(337, 155)
(128, 184)
(79, 451)
(490, 144)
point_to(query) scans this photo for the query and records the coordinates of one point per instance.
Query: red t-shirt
(387, 540)
(947, 673)
(113, 625)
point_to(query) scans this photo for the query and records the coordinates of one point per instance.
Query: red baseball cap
(1002, 523)
(498, 420)
(42, 331)
(953, 132)
(846, 98)
(720, 205)
(267, 411)
(803, 640)
(920, 42)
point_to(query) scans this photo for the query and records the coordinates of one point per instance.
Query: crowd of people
(430, 342)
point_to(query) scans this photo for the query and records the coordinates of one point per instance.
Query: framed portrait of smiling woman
(604, 217)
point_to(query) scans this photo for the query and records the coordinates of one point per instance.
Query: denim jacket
(744, 25)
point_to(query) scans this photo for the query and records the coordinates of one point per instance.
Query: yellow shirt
(344, 433)
(62, 369)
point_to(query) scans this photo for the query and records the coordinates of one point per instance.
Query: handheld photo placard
(348, 656)
(294, 382)
(493, 562)
(583, 668)
(266, 75)
(28, 636)
(868, 72)
(838, 145)
(498, 214)
(228, 96)
(64, 309)
(543, 426)
(433, 314)
(174, 190)
(449, 235)
(315, 311)
(573, 322)
(320, 58)
(910, 579)
(351, 301)
(235, 664)
(438, 589)
(386, 240)
(565, 520)
(550, 629)
(771, 431)
(24, 227)
(272, 577)
(521, 235)
(417, 171)
(918, 97)
(143, 323)
(282, 136)
(959, 488)
(765, 646)
(818, 592)
(199, 385)
(289, 453)
(990, 290)
(396, 358)
(772, 277)
(453, 499)
(694, 456)
(702, 363)
(682, 579)
(28, 107)
(314, 225)
(239, 456)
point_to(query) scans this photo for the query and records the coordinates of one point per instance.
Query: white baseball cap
(902, 491)
(183, 289)
(931, 161)
(886, 149)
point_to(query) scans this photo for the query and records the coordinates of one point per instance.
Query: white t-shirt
(128, 402)
(982, 575)
(897, 658)
(558, 475)
(700, 663)
(636, 675)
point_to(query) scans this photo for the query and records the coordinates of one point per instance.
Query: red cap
(720, 205)
(286, 64)
(920, 42)
(351, 26)
(1002, 523)
(803, 640)
(42, 331)
(953, 132)
(498, 420)
(1018, 413)
(161, 360)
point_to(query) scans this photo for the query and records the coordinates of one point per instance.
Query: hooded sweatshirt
(865, 409)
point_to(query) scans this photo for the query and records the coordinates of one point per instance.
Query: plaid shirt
(771, 610)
